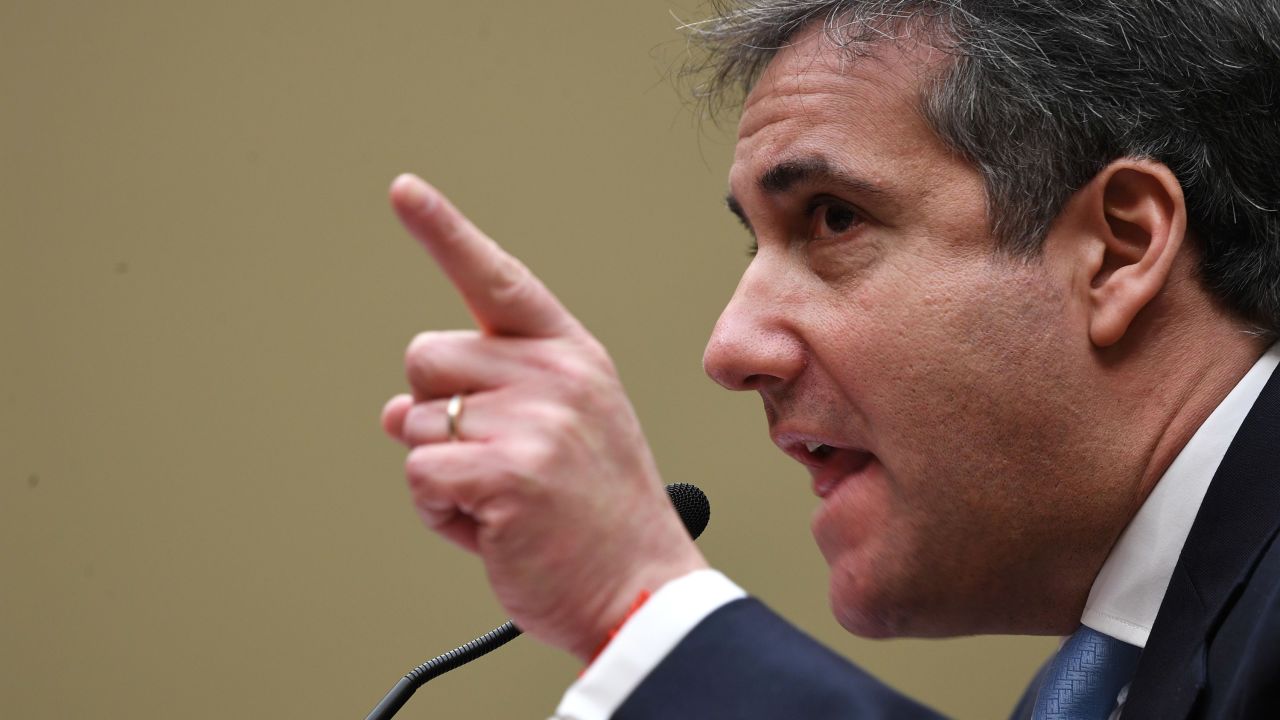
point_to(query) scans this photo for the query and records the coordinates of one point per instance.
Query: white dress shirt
(1128, 591)
(1123, 602)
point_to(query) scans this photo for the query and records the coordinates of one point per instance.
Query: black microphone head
(692, 506)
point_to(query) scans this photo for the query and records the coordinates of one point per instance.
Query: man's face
(877, 319)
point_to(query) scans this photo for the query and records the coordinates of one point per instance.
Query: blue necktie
(1084, 679)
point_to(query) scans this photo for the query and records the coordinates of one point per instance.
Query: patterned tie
(1084, 679)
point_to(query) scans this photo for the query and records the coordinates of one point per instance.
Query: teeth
(813, 446)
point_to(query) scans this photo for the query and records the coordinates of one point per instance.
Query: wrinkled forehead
(852, 120)
(815, 66)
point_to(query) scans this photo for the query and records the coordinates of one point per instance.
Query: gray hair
(1040, 95)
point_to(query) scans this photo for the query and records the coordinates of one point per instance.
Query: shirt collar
(1127, 593)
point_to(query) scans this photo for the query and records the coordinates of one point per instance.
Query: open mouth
(819, 451)
(839, 465)
(829, 465)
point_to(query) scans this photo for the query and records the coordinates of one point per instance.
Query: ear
(1137, 221)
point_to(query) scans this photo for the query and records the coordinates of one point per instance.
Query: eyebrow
(787, 174)
(784, 176)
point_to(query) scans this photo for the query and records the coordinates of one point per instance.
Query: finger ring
(453, 414)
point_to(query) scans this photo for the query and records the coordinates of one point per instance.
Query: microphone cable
(695, 512)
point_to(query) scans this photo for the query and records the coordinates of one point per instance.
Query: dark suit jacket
(1214, 650)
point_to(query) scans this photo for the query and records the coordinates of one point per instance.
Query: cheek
(975, 399)
(932, 353)
(952, 380)
(897, 371)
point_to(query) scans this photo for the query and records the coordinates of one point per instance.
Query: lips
(839, 465)
(829, 464)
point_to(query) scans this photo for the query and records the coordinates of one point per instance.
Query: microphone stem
(690, 504)
(441, 664)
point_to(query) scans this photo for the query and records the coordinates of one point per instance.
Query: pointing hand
(549, 479)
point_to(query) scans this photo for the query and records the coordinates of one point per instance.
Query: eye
(829, 218)
(753, 248)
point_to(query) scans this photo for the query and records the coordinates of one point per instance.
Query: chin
(863, 612)
(878, 605)
(884, 620)
(875, 612)
(871, 627)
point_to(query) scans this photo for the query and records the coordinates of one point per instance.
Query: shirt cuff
(644, 640)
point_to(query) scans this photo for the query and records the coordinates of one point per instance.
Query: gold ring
(453, 414)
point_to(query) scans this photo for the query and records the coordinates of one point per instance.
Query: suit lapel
(1240, 512)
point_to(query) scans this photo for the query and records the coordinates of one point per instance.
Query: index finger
(504, 296)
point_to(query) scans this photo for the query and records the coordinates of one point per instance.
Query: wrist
(636, 604)
(628, 597)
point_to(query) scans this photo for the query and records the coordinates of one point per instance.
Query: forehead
(813, 63)
(863, 112)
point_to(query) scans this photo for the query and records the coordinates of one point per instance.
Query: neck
(1217, 375)
(1157, 388)
(1179, 392)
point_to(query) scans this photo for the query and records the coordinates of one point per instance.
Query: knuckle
(556, 419)
(510, 282)
(417, 469)
(595, 351)
(579, 380)
(414, 424)
(419, 357)
(437, 341)
(432, 355)
(421, 371)
(565, 365)
(420, 459)
(393, 416)
(423, 340)
(576, 390)
(589, 362)
(534, 456)
(504, 516)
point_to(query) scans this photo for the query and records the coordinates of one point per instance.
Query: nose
(755, 345)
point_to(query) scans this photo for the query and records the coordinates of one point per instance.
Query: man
(1015, 289)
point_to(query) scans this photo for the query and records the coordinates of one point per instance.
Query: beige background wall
(204, 300)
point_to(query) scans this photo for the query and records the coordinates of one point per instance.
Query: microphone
(691, 505)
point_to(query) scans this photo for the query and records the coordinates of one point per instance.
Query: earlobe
(1144, 223)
